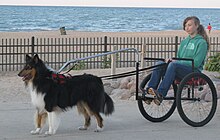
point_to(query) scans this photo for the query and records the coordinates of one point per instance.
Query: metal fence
(57, 51)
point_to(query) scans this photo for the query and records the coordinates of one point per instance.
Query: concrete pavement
(16, 122)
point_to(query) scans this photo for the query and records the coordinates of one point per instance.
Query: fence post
(113, 62)
(176, 45)
(105, 49)
(143, 54)
(32, 45)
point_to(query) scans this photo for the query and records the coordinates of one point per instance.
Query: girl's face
(191, 27)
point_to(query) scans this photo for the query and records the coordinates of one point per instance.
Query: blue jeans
(174, 70)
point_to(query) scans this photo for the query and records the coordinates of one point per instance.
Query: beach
(91, 23)
(81, 34)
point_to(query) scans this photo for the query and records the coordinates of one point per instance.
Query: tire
(153, 112)
(199, 108)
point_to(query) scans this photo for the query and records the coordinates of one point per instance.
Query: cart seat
(196, 81)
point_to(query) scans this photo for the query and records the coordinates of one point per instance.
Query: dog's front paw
(50, 132)
(83, 128)
(99, 129)
(37, 131)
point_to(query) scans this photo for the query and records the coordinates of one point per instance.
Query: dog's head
(29, 71)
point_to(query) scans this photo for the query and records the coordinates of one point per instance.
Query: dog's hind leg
(40, 120)
(82, 110)
(99, 120)
(53, 122)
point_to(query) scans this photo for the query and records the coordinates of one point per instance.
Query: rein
(121, 75)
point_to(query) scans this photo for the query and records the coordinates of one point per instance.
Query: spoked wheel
(153, 112)
(196, 99)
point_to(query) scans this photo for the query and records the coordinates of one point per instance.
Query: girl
(195, 47)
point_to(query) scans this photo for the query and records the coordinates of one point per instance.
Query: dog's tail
(109, 105)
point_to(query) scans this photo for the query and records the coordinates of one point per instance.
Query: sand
(78, 34)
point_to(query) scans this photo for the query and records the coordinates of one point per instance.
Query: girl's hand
(168, 60)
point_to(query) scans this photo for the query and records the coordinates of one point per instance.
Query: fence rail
(57, 51)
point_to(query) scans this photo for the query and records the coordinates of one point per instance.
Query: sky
(119, 3)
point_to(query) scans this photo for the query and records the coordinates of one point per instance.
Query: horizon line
(100, 6)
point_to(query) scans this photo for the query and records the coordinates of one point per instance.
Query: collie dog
(52, 95)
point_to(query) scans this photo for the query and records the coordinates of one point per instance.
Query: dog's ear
(36, 58)
(28, 58)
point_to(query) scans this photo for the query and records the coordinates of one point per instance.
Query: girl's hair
(201, 30)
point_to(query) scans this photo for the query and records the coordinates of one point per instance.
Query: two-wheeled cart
(194, 96)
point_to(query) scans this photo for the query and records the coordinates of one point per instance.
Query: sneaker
(145, 94)
(148, 101)
(158, 97)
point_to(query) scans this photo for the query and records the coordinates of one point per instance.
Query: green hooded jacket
(195, 48)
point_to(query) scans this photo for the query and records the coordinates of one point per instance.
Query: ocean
(103, 19)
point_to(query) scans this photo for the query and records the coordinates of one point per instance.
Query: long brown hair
(201, 30)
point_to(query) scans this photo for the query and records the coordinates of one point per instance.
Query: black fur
(86, 87)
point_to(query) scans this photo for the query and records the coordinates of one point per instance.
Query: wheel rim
(157, 112)
(197, 109)
(153, 112)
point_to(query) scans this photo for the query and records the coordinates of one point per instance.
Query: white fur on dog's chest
(37, 99)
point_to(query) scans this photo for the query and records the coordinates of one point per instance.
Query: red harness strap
(60, 78)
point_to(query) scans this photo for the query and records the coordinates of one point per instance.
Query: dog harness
(60, 78)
